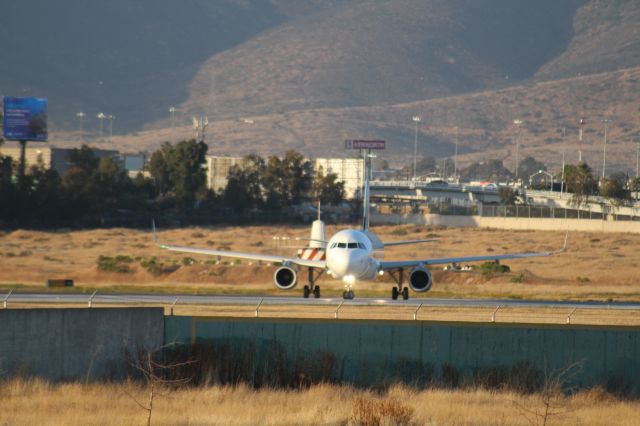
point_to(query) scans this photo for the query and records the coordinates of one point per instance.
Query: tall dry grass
(26, 401)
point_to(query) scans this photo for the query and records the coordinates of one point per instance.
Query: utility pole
(80, 116)
(172, 110)
(580, 132)
(111, 118)
(416, 120)
(604, 152)
(517, 123)
(638, 157)
(455, 158)
(101, 117)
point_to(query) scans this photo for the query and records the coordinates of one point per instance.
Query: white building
(349, 170)
(218, 170)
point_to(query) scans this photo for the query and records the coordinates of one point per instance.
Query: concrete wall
(375, 352)
(73, 344)
(536, 224)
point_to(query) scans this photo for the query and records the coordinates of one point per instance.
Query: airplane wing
(494, 257)
(249, 256)
(400, 243)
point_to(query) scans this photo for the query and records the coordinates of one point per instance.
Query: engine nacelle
(285, 278)
(420, 279)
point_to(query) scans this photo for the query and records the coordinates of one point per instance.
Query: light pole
(580, 128)
(80, 116)
(455, 158)
(638, 158)
(101, 117)
(604, 152)
(517, 123)
(416, 120)
(172, 110)
(111, 118)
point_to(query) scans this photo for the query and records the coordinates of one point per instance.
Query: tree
(580, 182)
(159, 169)
(179, 170)
(327, 188)
(507, 196)
(528, 167)
(286, 181)
(614, 189)
(492, 170)
(244, 187)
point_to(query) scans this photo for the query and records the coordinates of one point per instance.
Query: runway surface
(183, 299)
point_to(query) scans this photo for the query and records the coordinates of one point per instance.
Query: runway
(204, 300)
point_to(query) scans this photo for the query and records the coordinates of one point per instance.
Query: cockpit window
(362, 246)
(353, 245)
(342, 245)
(333, 245)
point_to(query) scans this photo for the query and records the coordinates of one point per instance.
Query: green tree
(579, 180)
(328, 189)
(244, 187)
(528, 167)
(286, 180)
(507, 196)
(613, 188)
(492, 170)
(159, 169)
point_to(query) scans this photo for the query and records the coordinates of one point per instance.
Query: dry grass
(596, 266)
(37, 402)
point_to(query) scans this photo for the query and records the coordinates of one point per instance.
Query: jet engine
(285, 278)
(420, 279)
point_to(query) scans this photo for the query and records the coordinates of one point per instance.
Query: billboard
(25, 119)
(362, 144)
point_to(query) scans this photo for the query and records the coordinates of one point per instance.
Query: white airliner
(355, 255)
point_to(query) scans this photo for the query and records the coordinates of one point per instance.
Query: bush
(489, 269)
(375, 412)
(118, 264)
(399, 231)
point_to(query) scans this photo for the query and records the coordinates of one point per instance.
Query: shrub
(488, 269)
(517, 278)
(399, 231)
(118, 264)
(375, 412)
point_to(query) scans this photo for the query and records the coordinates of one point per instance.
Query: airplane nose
(347, 263)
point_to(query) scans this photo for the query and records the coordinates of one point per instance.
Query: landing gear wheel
(405, 293)
(316, 292)
(394, 293)
(306, 291)
(348, 295)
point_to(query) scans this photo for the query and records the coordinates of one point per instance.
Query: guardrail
(424, 309)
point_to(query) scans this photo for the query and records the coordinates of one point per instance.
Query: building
(218, 170)
(50, 156)
(349, 170)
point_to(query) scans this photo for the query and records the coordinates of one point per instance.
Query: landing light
(349, 279)
(381, 272)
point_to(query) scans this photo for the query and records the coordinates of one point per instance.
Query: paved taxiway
(182, 299)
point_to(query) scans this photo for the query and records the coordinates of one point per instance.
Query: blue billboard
(25, 119)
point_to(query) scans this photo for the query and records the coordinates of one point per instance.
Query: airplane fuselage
(351, 256)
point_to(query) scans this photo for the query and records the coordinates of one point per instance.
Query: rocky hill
(279, 74)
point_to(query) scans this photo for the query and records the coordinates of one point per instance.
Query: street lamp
(101, 117)
(455, 158)
(517, 122)
(172, 110)
(80, 116)
(111, 118)
(416, 120)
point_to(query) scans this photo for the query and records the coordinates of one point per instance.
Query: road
(190, 299)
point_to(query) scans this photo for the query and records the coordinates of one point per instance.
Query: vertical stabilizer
(318, 234)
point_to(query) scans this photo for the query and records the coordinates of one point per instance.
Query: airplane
(355, 255)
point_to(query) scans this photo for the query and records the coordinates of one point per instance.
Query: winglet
(153, 227)
(564, 246)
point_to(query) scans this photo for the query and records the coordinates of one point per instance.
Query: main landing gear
(312, 287)
(399, 289)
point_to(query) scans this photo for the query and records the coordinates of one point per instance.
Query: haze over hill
(279, 74)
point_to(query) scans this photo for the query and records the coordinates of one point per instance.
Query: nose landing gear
(348, 294)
